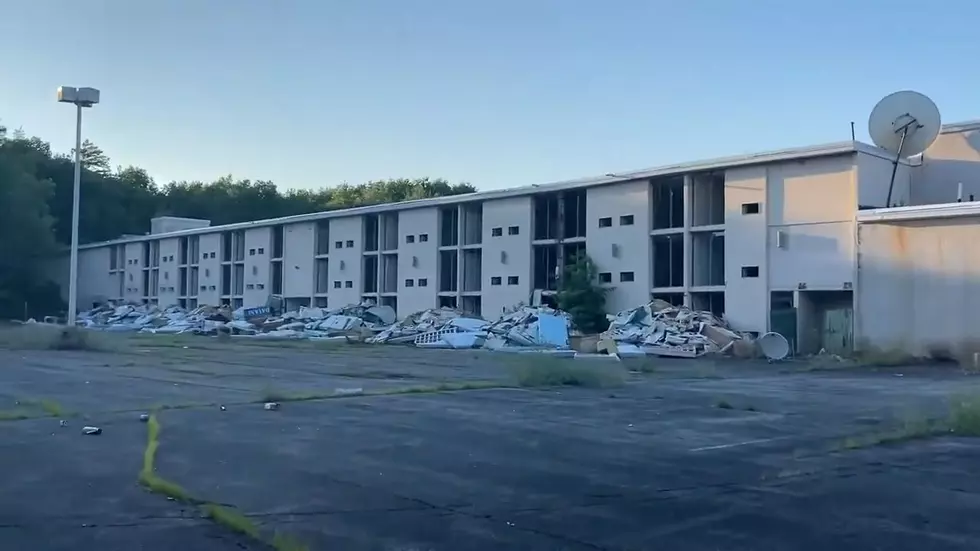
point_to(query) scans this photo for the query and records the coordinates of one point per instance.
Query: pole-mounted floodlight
(80, 97)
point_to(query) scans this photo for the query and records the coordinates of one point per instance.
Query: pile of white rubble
(524, 328)
(661, 329)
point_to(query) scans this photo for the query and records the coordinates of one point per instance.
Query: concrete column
(688, 212)
(460, 228)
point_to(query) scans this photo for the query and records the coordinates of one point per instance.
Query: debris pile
(523, 329)
(661, 329)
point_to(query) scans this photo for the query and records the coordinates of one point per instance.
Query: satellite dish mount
(904, 123)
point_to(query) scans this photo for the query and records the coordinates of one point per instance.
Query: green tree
(582, 297)
(26, 239)
(94, 159)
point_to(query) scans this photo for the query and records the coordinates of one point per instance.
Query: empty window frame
(668, 202)
(668, 261)
(750, 271)
(605, 222)
(626, 220)
(751, 208)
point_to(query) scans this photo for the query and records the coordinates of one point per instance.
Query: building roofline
(918, 212)
(825, 150)
(964, 126)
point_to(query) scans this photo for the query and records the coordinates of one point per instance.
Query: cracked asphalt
(654, 464)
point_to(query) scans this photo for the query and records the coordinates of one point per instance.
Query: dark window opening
(605, 222)
(625, 277)
(750, 271)
(750, 208)
(605, 277)
(495, 280)
(626, 220)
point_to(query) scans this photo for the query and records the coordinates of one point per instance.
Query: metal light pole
(80, 97)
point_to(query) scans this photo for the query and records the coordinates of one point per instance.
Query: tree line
(36, 190)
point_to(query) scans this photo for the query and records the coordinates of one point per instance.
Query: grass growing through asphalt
(229, 517)
(148, 476)
(544, 372)
(963, 419)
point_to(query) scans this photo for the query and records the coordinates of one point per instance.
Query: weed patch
(38, 336)
(543, 372)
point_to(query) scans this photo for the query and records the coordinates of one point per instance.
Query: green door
(838, 330)
(783, 321)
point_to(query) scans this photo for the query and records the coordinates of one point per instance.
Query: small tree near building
(580, 294)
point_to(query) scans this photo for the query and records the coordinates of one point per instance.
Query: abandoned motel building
(798, 242)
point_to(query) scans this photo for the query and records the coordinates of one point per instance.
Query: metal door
(838, 331)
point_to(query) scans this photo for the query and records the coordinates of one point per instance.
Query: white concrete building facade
(770, 240)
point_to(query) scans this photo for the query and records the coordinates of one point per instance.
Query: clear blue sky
(498, 93)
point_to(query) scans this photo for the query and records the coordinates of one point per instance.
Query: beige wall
(952, 159)
(811, 223)
(919, 285)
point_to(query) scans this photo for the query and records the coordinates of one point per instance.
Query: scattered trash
(271, 406)
(144, 417)
(91, 430)
(63, 423)
(222, 408)
(661, 329)
(348, 391)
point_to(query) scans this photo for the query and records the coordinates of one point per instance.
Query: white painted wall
(209, 274)
(94, 283)
(417, 260)
(297, 262)
(134, 272)
(632, 242)
(919, 286)
(813, 205)
(746, 299)
(345, 262)
(258, 250)
(169, 284)
(507, 255)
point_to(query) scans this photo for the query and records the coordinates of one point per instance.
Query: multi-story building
(752, 237)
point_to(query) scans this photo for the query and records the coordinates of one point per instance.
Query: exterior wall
(94, 283)
(258, 243)
(810, 217)
(621, 249)
(952, 159)
(506, 255)
(297, 262)
(209, 273)
(417, 260)
(134, 272)
(874, 175)
(919, 286)
(746, 299)
(169, 282)
(345, 262)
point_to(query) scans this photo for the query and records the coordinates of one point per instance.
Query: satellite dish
(905, 124)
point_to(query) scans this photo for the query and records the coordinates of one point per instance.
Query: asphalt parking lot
(697, 455)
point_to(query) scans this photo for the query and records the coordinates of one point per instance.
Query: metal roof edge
(964, 126)
(919, 212)
(824, 150)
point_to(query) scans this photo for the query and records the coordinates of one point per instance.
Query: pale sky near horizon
(315, 93)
